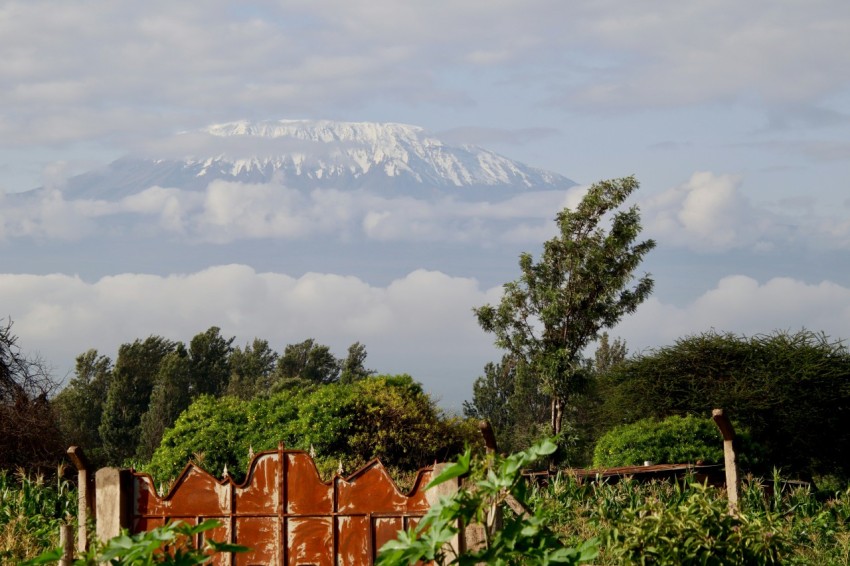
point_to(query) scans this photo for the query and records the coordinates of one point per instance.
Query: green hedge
(675, 440)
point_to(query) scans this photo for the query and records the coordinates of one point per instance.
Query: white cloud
(82, 69)
(227, 211)
(710, 213)
(421, 323)
(742, 305)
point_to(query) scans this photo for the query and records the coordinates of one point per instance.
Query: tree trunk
(558, 404)
(557, 414)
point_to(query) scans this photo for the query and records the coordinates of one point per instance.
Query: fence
(283, 511)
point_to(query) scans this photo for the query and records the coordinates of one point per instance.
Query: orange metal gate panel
(285, 513)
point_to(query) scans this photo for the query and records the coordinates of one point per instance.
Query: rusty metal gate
(284, 512)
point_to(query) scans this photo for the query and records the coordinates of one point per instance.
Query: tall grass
(31, 510)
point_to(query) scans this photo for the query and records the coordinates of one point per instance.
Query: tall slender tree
(584, 282)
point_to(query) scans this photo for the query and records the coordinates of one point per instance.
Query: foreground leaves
(170, 544)
(494, 487)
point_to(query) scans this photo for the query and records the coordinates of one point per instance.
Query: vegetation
(660, 523)
(120, 412)
(518, 538)
(28, 432)
(790, 391)
(674, 440)
(581, 285)
(347, 424)
(31, 510)
(171, 544)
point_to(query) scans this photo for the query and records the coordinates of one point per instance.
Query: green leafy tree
(79, 406)
(169, 398)
(608, 354)
(385, 416)
(582, 284)
(353, 367)
(509, 397)
(128, 398)
(209, 353)
(252, 369)
(308, 361)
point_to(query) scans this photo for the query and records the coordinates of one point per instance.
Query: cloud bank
(421, 323)
(708, 213)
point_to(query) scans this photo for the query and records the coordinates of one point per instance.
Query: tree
(79, 406)
(791, 391)
(308, 361)
(581, 284)
(251, 369)
(209, 353)
(129, 395)
(608, 354)
(353, 366)
(170, 397)
(29, 436)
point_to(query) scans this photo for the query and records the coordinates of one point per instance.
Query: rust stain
(285, 513)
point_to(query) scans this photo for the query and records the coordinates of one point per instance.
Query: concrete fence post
(730, 458)
(85, 495)
(447, 489)
(114, 502)
(66, 543)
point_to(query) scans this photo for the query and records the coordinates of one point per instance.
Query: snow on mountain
(386, 157)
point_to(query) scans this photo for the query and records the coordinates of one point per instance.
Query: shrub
(674, 440)
(388, 417)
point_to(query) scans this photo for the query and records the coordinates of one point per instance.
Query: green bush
(388, 417)
(674, 440)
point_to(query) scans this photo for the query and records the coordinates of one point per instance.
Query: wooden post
(85, 495)
(66, 543)
(730, 458)
(113, 503)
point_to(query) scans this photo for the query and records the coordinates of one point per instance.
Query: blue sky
(734, 116)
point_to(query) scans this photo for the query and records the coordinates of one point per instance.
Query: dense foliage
(119, 412)
(674, 440)
(790, 391)
(492, 487)
(31, 510)
(348, 424)
(583, 283)
(668, 523)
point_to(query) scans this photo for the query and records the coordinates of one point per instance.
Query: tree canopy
(791, 391)
(583, 282)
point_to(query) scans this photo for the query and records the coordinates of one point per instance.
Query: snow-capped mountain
(386, 157)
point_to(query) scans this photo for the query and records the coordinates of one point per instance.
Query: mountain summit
(388, 157)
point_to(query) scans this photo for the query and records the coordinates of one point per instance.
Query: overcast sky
(732, 115)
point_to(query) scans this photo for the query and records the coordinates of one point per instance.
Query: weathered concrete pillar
(85, 495)
(66, 543)
(447, 489)
(114, 502)
(730, 458)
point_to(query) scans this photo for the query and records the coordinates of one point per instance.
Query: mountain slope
(391, 158)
